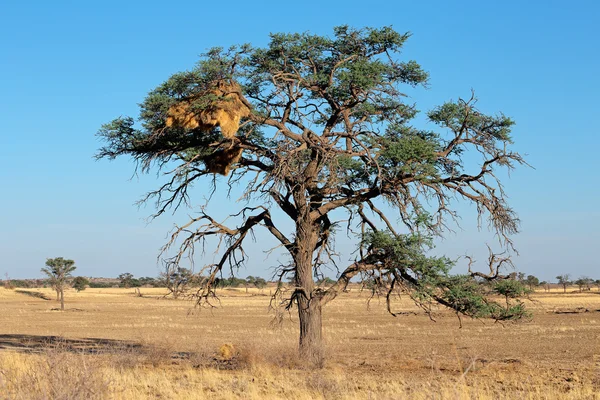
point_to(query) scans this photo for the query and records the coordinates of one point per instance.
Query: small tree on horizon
(80, 283)
(125, 280)
(564, 281)
(532, 281)
(59, 271)
(326, 138)
(584, 283)
(177, 279)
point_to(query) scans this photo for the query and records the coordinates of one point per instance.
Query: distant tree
(149, 281)
(177, 279)
(8, 284)
(564, 281)
(125, 280)
(597, 283)
(517, 276)
(255, 281)
(584, 283)
(232, 281)
(532, 282)
(545, 285)
(250, 280)
(260, 283)
(326, 281)
(80, 283)
(101, 285)
(59, 271)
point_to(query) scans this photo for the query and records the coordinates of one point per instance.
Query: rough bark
(311, 338)
(309, 301)
(62, 299)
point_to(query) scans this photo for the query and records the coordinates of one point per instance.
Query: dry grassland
(111, 344)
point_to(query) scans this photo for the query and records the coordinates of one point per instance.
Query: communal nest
(221, 104)
(221, 160)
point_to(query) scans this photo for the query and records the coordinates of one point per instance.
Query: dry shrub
(326, 385)
(57, 375)
(225, 110)
(260, 355)
(226, 351)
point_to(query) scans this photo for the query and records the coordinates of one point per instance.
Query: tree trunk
(309, 301)
(62, 299)
(311, 337)
(57, 295)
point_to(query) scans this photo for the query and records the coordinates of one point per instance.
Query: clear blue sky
(68, 67)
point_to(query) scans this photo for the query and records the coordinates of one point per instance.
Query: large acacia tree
(330, 143)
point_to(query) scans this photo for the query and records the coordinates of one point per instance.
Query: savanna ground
(111, 344)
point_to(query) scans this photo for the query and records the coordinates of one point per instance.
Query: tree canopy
(329, 140)
(59, 271)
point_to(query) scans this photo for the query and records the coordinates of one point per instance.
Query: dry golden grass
(147, 348)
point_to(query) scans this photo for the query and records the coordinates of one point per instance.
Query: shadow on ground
(38, 295)
(36, 344)
(41, 344)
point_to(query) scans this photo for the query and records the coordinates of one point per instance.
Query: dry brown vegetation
(111, 344)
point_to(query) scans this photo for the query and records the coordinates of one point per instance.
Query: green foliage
(260, 283)
(407, 151)
(428, 279)
(101, 285)
(452, 115)
(231, 282)
(330, 132)
(178, 279)
(510, 289)
(532, 281)
(79, 283)
(256, 281)
(58, 271)
(21, 283)
(584, 283)
(127, 280)
(564, 281)
(326, 281)
(149, 281)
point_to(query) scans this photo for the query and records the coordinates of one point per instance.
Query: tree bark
(309, 301)
(311, 337)
(62, 299)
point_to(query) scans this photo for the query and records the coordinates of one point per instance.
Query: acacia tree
(79, 283)
(564, 281)
(329, 142)
(59, 271)
(584, 283)
(532, 281)
(177, 279)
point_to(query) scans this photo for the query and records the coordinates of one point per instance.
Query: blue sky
(67, 68)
